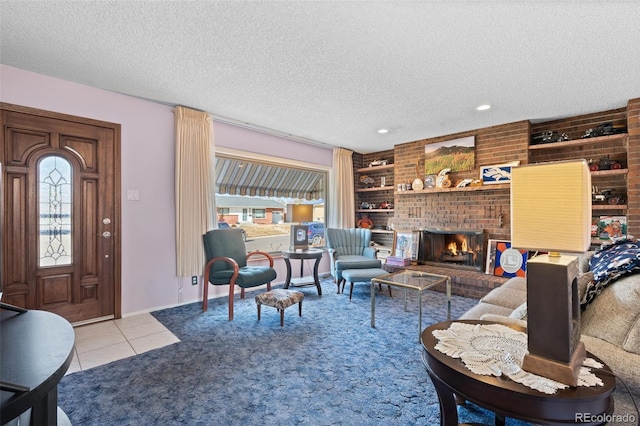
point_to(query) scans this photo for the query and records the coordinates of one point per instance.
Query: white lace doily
(495, 349)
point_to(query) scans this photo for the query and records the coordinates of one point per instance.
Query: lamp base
(566, 373)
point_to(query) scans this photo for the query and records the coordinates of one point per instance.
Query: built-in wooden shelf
(374, 210)
(612, 172)
(374, 169)
(381, 231)
(579, 142)
(376, 189)
(493, 187)
(608, 207)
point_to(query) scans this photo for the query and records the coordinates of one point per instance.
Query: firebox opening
(452, 248)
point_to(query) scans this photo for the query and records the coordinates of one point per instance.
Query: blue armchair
(349, 249)
(227, 256)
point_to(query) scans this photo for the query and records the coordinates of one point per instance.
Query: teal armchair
(350, 249)
(227, 256)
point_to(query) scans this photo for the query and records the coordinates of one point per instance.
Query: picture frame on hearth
(405, 244)
(497, 173)
(504, 260)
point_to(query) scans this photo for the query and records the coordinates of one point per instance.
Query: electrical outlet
(194, 280)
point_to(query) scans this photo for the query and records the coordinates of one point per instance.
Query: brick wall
(490, 209)
(487, 209)
(633, 157)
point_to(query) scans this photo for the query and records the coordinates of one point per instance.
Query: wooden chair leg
(205, 296)
(258, 312)
(242, 293)
(389, 287)
(350, 290)
(269, 286)
(281, 317)
(300, 308)
(230, 302)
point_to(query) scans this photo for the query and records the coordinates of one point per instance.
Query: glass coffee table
(414, 280)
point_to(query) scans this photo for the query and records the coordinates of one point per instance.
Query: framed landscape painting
(456, 155)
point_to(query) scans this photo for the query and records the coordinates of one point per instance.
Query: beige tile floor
(108, 341)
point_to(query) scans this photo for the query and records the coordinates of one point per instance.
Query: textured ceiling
(335, 72)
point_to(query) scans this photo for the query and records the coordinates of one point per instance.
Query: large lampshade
(551, 206)
(551, 212)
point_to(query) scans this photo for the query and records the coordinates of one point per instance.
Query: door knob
(106, 234)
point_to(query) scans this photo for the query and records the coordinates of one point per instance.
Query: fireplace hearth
(454, 248)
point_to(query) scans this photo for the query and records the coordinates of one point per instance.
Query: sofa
(610, 323)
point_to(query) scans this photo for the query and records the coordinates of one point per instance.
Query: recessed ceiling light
(483, 107)
(383, 131)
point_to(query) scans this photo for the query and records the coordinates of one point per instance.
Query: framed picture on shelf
(405, 244)
(505, 261)
(612, 227)
(497, 173)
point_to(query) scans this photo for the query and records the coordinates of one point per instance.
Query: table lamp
(299, 214)
(551, 212)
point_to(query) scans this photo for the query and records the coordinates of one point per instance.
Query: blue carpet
(328, 367)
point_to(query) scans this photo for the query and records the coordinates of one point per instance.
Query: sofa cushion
(516, 283)
(506, 297)
(480, 309)
(614, 316)
(583, 282)
(520, 312)
(583, 261)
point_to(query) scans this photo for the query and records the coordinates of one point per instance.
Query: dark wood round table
(36, 348)
(303, 255)
(505, 397)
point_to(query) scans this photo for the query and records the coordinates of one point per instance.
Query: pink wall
(149, 279)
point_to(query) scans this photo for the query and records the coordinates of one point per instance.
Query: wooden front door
(60, 213)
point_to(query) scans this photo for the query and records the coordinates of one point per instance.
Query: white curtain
(342, 201)
(195, 200)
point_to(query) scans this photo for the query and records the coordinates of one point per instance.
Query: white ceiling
(335, 72)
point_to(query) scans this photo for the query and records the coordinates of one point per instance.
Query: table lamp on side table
(299, 214)
(544, 196)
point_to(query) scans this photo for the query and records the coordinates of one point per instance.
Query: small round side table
(303, 255)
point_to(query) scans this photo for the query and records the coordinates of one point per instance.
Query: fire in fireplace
(455, 248)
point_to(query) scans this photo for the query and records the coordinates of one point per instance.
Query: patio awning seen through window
(241, 177)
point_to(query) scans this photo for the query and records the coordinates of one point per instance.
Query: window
(255, 192)
(54, 204)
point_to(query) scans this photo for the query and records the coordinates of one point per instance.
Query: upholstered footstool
(280, 299)
(361, 275)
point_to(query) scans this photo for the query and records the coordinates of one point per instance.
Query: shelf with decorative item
(381, 231)
(374, 169)
(579, 142)
(374, 210)
(493, 187)
(612, 172)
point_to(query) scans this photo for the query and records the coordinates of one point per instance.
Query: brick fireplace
(454, 248)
